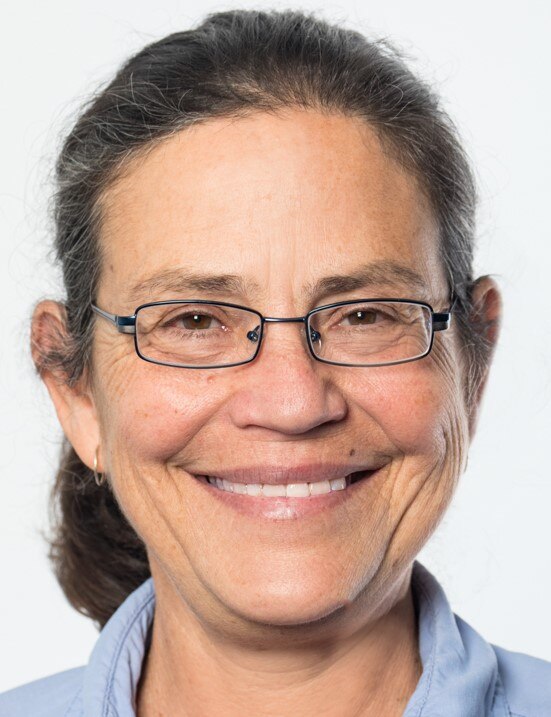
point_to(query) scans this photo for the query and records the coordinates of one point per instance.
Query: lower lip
(282, 508)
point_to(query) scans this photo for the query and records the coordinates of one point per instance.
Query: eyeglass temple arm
(441, 321)
(124, 324)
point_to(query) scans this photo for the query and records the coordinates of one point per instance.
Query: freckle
(352, 451)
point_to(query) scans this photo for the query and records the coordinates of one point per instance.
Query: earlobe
(74, 404)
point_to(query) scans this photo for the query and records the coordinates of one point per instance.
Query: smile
(286, 490)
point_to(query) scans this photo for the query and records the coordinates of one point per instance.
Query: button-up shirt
(463, 675)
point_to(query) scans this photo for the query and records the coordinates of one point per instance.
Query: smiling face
(280, 202)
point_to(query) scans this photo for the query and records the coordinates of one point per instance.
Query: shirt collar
(113, 671)
(459, 679)
(460, 673)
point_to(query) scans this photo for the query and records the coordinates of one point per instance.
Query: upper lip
(283, 475)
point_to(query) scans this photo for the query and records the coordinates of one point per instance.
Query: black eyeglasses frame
(440, 321)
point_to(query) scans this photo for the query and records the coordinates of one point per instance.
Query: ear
(74, 404)
(486, 314)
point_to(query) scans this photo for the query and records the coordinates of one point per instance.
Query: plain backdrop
(490, 62)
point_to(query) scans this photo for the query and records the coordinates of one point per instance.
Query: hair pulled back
(232, 64)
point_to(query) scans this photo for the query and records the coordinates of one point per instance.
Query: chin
(286, 604)
(285, 615)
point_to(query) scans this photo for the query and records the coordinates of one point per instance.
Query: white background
(490, 60)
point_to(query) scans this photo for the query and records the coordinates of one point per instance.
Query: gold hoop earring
(98, 477)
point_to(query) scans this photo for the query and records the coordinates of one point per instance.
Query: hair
(232, 64)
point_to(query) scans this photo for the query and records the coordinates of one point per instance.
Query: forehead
(301, 191)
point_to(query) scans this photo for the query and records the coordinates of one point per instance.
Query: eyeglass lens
(209, 335)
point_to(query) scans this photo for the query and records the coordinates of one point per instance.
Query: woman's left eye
(361, 317)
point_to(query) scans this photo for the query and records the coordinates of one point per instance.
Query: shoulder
(54, 696)
(526, 682)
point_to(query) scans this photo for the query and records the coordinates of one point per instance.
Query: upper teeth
(291, 490)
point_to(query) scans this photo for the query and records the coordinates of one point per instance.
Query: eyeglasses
(195, 333)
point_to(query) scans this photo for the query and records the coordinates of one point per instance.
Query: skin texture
(271, 617)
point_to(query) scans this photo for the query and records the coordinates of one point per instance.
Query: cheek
(414, 405)
(160, 412)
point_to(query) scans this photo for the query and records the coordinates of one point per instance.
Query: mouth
(306, 489)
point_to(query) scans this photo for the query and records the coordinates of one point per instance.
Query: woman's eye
(362, 317)
(193, 321)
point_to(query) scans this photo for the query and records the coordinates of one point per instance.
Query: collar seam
(106, 707)
(499, 691)
(73, 702)
(429, 603)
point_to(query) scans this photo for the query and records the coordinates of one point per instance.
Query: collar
(460, 673)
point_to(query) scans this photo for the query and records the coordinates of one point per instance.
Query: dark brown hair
(232, 64)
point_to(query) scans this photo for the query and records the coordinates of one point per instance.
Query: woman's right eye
(191, 321)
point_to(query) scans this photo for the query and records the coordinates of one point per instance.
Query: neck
(191, 670)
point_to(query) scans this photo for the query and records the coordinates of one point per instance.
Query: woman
(240, 504)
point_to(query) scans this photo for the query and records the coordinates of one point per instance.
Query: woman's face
(281, 202)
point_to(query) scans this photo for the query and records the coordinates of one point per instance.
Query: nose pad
(254, 335)
(315, 337)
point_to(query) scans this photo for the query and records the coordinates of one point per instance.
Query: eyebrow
(383, 273)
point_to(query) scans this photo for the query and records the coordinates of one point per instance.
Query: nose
(285, 389)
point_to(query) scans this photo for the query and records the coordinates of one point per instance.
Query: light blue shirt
(463, 675)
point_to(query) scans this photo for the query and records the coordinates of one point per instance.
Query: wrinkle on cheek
(137, 492)
(454, 426)
(420, 409)
(110, 385)
(161, 509)
(427, 400)
(419, 513)
(444, 465)
(114, 367)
